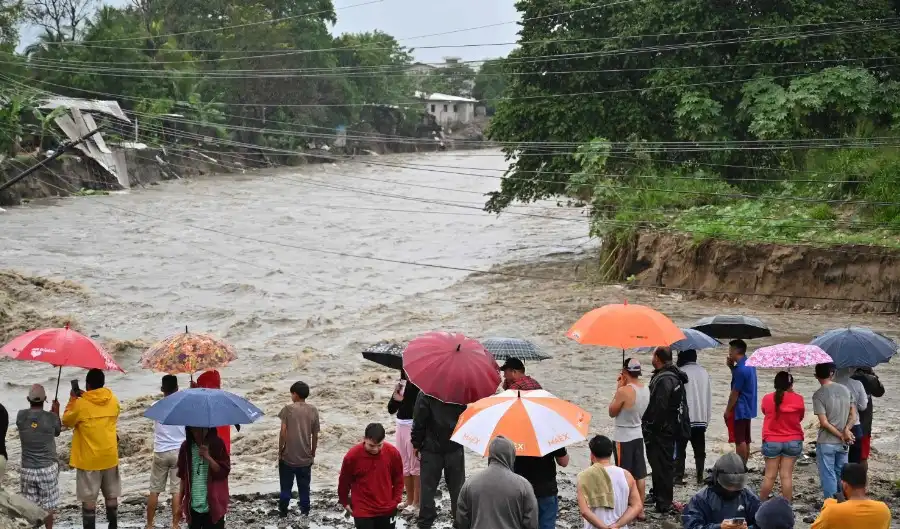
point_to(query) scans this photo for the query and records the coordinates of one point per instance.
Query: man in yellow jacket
(93, 414)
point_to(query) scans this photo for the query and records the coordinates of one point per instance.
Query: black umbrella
(387, 354)
(732, 327)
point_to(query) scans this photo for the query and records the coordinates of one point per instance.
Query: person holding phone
(402, 403)
(92, 414)
(203, 468)
(725, 502)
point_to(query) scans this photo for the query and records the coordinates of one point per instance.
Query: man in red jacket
(371, 483)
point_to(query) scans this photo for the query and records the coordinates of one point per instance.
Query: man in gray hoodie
(497, 498)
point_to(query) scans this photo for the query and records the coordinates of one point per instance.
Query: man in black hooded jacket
(665, 422)
(433, 425)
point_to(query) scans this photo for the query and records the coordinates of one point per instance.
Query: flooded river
(301, 268)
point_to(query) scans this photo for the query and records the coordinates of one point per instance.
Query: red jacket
(216, 483)
(371, 485)
(213, 380)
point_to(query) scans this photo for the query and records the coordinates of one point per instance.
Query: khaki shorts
(88, 483)
(165, 467)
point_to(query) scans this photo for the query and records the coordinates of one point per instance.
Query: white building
(449, 110)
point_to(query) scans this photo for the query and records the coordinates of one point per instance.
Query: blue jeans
(771, 450)
(830, 458)
(286, 476)
(547, 508)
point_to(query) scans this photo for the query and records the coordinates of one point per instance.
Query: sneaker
(403, 505)
(411, 511)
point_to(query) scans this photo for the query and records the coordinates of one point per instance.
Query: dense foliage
(702, 103)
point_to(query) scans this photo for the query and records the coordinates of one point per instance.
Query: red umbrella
(60, 347)
(451, 367)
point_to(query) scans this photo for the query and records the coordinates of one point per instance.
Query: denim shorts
(771, 450)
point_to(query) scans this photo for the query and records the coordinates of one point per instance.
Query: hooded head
(210, 380)
(729, 476)
(775, 514)
(502, 452)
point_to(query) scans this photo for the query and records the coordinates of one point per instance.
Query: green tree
(490, 84)
(670, 71)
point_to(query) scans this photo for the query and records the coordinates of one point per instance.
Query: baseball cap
(729, 472)
(513, 363)
(37, 393)
(632, 366)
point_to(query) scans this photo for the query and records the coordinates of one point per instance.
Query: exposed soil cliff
(855, 278)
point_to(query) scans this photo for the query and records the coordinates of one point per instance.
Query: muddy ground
(535, 300)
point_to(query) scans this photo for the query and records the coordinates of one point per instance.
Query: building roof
(110, 108)
(444, 97)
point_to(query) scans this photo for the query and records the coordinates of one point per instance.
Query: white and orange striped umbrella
(536, 422)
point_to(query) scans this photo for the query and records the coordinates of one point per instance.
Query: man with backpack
(664, 424)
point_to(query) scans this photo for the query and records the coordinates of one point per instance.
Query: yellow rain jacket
(93, 416)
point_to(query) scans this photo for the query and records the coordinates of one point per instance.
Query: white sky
(411, 18)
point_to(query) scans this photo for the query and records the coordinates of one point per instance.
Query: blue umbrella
(203, 408)
(856, 347)
(693, 339)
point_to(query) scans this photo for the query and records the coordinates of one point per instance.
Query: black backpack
(683, 417)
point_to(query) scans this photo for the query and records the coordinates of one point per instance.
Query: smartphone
(75, 389)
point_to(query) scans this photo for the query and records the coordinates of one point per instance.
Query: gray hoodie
(497, 498)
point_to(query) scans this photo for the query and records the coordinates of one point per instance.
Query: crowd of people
(653, 422)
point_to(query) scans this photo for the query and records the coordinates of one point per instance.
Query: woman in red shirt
(782, 435)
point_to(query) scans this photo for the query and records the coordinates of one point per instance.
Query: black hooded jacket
(874, 388)
(667, 413)
(433, 424)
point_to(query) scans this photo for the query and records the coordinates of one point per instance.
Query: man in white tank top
(607, 494)
(627, 408)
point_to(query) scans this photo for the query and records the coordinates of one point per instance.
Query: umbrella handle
(58, 378)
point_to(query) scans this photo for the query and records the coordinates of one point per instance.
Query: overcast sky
(411, 18)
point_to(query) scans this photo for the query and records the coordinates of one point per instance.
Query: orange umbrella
(625, 327)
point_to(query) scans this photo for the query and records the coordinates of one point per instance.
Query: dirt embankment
(854, 278)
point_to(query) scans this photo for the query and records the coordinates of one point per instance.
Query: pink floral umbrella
(788, 355)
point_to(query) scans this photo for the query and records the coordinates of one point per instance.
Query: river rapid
(301, 268)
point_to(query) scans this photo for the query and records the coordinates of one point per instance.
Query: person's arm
(739, 382)
(314, 437)
(530, 511)
(659, 403)
(397, 476)
(421, 414)
(619, 400)
(827, 426)
(395, 401)
(70, 415)
(463, 516)
(587, 513)
(635, 505)
(851, 422)
(57, 425)
(697, 513)
(562, 457)
(282, 438)
(181, 466)
(824, 519)
(751, 503)
(219, 460)
(345, 478)
(862, 398)
(875, 386)
(708, 402)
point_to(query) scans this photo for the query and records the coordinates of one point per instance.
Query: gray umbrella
(504, 348)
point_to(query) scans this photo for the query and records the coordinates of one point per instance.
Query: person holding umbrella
(93, 415)
(742, 400)
(402, 403)
(203, 461)
(38, 430)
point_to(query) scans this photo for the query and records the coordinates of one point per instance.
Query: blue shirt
(743, 379)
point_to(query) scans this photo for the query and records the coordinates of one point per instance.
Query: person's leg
(111, 487)
(865, 445)
(152, 501)
(455, 475)
(825, 460)
(87, 487)
(199, 520)
(364, 523)
(855, 453)
(698, 443)
(174, 487)
(285, 485)
(653, 460)
(633, 452)
(417, 488)
(666, 494)
(547, 509)
(742, 439)
(840, 459)
(432, 466)
(786, 472)
(771, 472)
(384, 522)
(680, 460)
(304, 478)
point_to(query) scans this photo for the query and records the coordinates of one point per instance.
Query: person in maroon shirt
(514, 376)
(371, 481)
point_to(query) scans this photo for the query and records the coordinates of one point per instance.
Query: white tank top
(620, 491)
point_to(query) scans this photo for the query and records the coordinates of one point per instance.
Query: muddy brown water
(296, 314)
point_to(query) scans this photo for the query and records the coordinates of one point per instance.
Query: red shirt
(526, 383)
(786, 425)
(371, 485)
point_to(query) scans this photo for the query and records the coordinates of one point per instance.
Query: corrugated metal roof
(110, 108)
(444, 97)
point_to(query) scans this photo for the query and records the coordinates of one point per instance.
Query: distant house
(419, 68)
(449, 110)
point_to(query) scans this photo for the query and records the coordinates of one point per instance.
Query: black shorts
(742, 431)
(630, 456)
